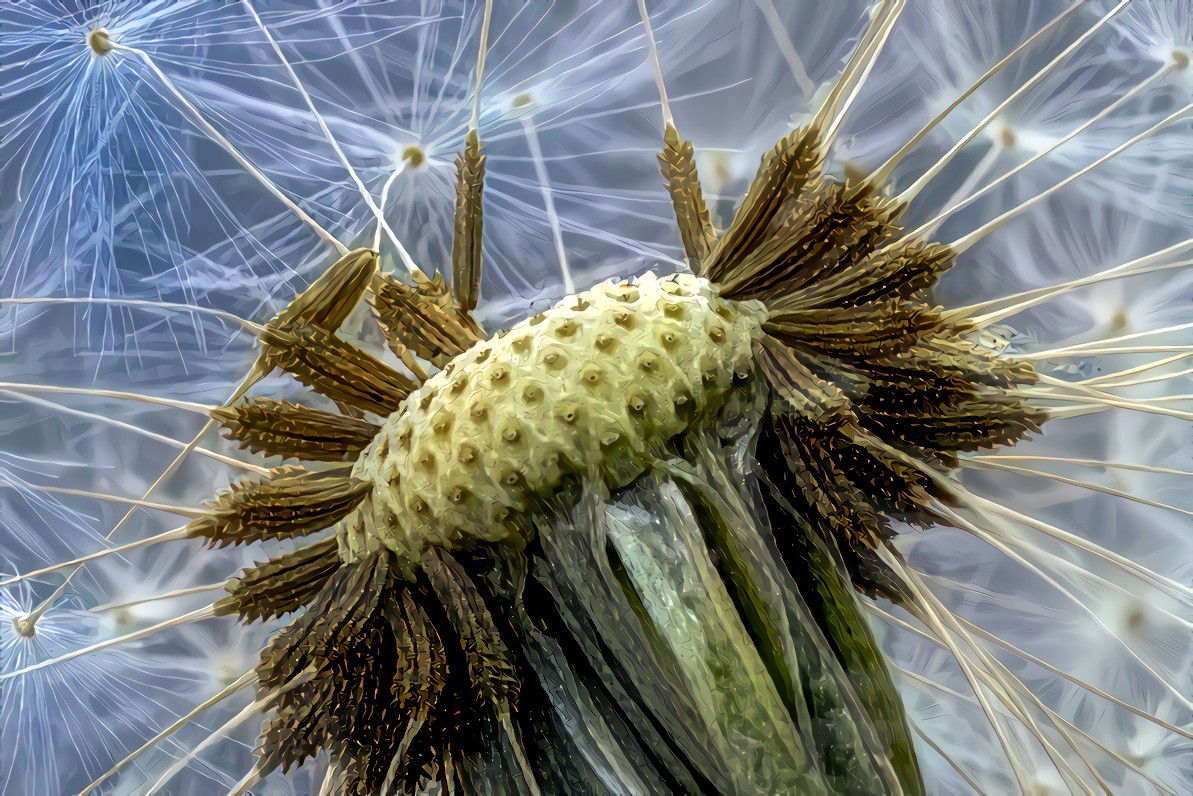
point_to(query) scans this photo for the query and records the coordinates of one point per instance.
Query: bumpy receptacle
(596, 385)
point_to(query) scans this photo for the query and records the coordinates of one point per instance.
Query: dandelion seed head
(1161, 32)
(111, 698)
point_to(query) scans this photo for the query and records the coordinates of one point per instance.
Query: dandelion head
(430, 437)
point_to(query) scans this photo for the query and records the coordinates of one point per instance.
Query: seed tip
(100, 41)
(414, 155)
(25, 625)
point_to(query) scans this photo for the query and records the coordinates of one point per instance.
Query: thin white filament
(926, 228)
(985, 506)
(186, 406)
(875, 49)
(385, 199)
(233, 723)
(927, 614)
(207, 612)
(166, 536)
(1079, 483)
(66, 410)
(169, 595)
(1027, 656)
(786, 49)
(914, 190)
(884, 172)
(992, 540)
(540, 170)
(656, 64)
(964, 243)
(237, 685)
(1026, 299)
(218, 137)
(335, 145)
(1051, 714)
(1079, 348)
(1115, 385)
(256, 372)
(855, 64)
(1110, 380)
(181, 511)
(474, 123)
(1007, 688)
(1143, 468)
(178, 765)
(936, 748)
(223, 315)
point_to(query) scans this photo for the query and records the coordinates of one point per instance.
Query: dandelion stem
(925, 612)
(1059, 723)
(207, 612)
(143, 504)
(1078, 348)
(656, 64)
(964, 243)
(66, 410)
(992, 540)
(168, 536)
(914, 190)
(540, 170)
(871, 58)
(1076, 482)
(975, 177)
(1019, 302)
(1108, 379)
(1166, 585)
(1143, 468)
(1184, 350)
(385, 199)
(169, 595)
(855, 64)
(886, 169)
(237, 685)
(1088, 394)
(1027, 656)
(926, 228)
(252, 377)
(335, 145)
(187, 406)
(224, 315)
(1052, 715)
(482, 54)
(798, 71)
(251, 778)
(958, 492)
(184, 761)
(233, 723)
(231, 149)
(1101, 381)
(936, 748)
